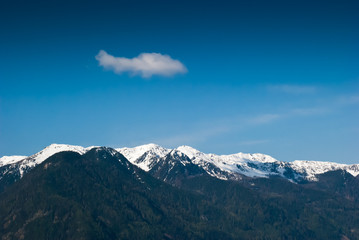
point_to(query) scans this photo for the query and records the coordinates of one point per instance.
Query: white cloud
(293, 89)
(146, 64)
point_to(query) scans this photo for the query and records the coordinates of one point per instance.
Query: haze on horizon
(279, 78)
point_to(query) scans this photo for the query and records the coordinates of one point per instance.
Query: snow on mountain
(352, 169)
(180, 157)
(5, 160)
(233, 166)
(230, 166)
(194, 154)
(144, 156)
(312, 168)
(32, 161)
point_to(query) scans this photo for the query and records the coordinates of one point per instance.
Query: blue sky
(275, 77)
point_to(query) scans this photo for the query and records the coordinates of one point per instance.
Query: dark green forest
(101, 195)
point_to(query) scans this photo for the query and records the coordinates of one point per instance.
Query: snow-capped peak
(259, 157)
(229, 166)
(193, 153)
(180, 156)
(37, 158)
(232, 166)
(56, 148)
(189, 151)
(145, 155)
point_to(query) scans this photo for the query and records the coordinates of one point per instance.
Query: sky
(273, 77)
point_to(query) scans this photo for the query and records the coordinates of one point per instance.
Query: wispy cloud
(145, 65)
(309, 111)
(293, 89)
(264, 118)
(220, 127)
(224, 126)
(348, 100)
(193, 137)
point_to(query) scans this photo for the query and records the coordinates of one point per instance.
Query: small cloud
(293, 89)
(146, 64)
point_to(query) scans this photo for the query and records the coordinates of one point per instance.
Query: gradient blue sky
(275, 77)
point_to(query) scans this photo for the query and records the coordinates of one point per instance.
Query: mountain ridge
(233, 166)
(225, 167)
(99, 194)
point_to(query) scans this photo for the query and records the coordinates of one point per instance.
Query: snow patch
(5, 160)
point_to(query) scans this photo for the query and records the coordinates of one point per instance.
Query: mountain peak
(144, 155)
(55, 148)
(47, 152)
(144, 148)
(189, 151)
(259, 157)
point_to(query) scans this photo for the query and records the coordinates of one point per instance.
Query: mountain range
(151, 192)
(225, 167)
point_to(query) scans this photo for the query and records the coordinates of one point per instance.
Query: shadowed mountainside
(101, 195)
